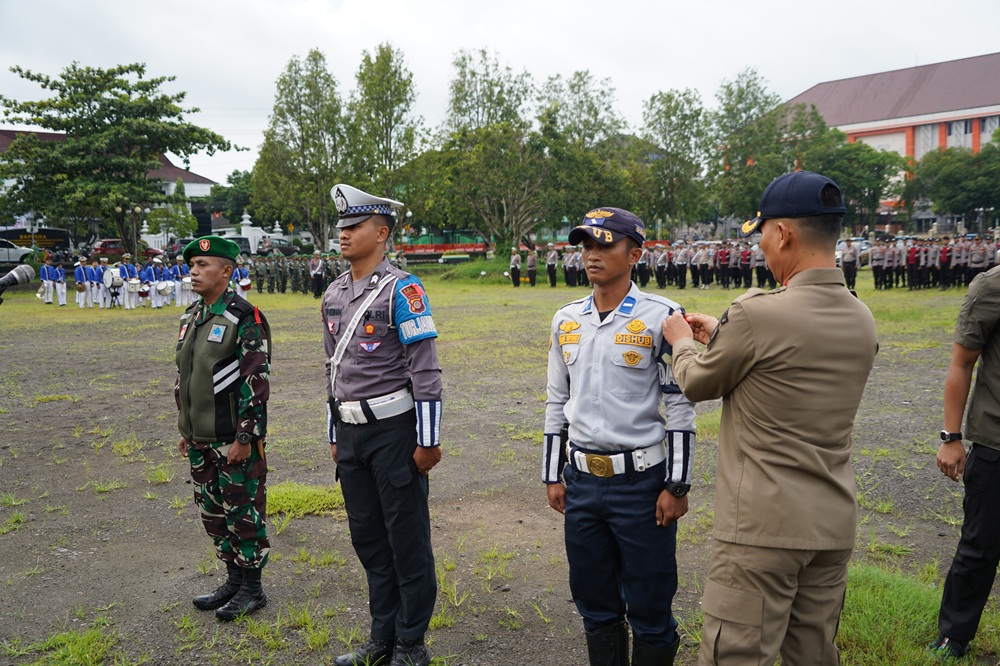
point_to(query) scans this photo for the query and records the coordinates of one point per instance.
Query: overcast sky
(227, 54)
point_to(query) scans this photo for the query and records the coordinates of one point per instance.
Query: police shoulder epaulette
(662, 300)
(576, 302)
(750, 293)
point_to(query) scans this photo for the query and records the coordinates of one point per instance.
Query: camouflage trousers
(232, 500)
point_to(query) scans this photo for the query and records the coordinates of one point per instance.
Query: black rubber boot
(644, 654)
(608, 646)
(224, 592)
(249, 598)
(372, 653)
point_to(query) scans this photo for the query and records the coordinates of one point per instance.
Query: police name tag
(217, 333)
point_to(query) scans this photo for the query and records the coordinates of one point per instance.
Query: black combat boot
(608, 646)
(372, 653)
(410, 653)
(644, 654)
(224, 592)
(249, 598)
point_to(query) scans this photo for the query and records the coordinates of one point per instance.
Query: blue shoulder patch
(412, 311)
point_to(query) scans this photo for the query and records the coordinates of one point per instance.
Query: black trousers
(551, 269)
(970, 578)
(532, 276)
(386, 502)
(515, 276)
(682, 271)
(317, 285)
(850, 273)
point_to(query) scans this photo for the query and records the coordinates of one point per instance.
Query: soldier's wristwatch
(244, 438)
(677, 489)
(950, 436)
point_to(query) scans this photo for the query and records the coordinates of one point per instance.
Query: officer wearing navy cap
(622, 476)
(791, 366)
(385, 419)
(222, 388)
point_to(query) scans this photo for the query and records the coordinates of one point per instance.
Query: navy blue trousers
(621, 563)
(386, 502)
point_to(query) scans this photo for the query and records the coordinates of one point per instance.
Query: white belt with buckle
(609, 465)
(383, 407)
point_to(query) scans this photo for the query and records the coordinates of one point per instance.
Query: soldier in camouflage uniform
(269, 271)
(258, 273)
(282, 271)
(222, 388)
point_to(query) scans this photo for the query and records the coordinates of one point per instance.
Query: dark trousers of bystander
(970, 578)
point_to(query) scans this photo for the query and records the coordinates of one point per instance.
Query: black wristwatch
(677, 489)
(244, 438)
(950, 436)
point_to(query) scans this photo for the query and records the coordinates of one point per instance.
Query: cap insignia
(204, 244)
(341, 201)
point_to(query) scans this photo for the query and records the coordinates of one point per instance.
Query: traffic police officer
(385, 413)
(515, 267)
(551, 263)
(627, 477)
(223, 364)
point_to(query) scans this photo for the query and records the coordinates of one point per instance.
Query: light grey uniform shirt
(606, 379)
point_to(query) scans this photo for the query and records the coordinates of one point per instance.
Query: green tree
(584, 108)
(381, 112)
(746, 143)
(303, 150)
(484, 93)
(115, 123)
(173, 217)
(676, 123)
(232, 199)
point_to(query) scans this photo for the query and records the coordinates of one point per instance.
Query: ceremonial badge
(370, 346)
(632, 358)
(569, 326)
(636, 326)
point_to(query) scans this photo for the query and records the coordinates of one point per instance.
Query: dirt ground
(87, 422)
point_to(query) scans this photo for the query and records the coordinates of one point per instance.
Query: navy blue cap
(608, 226)
(792, 195)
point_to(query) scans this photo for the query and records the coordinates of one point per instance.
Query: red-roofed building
(915, 110)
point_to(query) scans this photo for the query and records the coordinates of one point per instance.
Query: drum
(245, 284)
(144, 291)
(112, 280)
(186, 283)
(134, 284)
(165, 287)
(81, 287)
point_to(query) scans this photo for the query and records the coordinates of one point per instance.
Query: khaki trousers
(762, 602)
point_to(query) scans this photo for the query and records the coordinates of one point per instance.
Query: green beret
(211, 246)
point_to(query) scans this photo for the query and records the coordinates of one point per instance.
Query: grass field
(64, 372)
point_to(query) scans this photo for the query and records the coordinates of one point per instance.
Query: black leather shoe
(372, 653)
(248, 599)
(945, 648)
(410, 653)
(223, 593)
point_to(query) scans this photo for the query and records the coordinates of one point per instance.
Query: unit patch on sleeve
(417, 328)
(414, 296)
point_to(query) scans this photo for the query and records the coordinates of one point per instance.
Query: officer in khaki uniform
(790, 366)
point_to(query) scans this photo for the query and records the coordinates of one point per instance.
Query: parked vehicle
(114, 248)
(13, 254)
(176, 246)
(281, 245)
(244, 244)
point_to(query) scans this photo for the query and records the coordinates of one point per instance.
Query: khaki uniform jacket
(790, 366)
